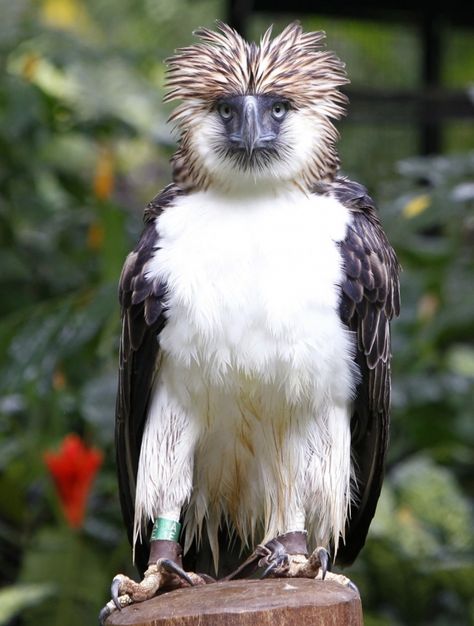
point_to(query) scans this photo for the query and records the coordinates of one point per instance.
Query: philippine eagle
(254, 384)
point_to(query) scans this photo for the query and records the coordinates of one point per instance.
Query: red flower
(73, 469)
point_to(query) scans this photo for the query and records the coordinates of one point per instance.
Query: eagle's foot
(278, 563)
(164, 575)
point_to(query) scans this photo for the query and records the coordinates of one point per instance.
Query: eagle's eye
(225, 111)
(279, 110)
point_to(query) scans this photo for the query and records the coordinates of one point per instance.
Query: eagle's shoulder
(141, 296)
(165, 198)
(351, 194)
(370, 283)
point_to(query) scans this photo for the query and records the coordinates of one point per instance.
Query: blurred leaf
(428, 494)
(461, 360)
(73, 568)
(98, 403)
(52, 332)
(16, 598)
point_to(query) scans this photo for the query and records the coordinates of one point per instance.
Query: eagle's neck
(197, 169)
(254, 191)
(246, 186)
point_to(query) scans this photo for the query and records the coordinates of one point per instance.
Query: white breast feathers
(257, 372)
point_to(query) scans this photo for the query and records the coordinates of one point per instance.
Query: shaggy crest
(293, 65)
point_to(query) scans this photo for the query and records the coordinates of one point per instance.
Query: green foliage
(420, 540)
(75, 573)
(17, 598)
(84, 145)
(83, 140)
(417, 566)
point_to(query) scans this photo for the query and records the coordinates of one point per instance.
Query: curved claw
(106, 611)
(114, 593)
(172, 568)
(323, 556)
(278, 561)
(352, 586)
(103, 615)
(268, 569)
(273, 555)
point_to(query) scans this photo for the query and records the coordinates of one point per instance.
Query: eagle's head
(255, 114)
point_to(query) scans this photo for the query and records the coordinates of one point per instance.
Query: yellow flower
(416, 205)
(67, 15)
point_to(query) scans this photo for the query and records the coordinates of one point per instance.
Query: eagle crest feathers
(294, 65)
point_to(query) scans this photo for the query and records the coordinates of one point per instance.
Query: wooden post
(272, 602)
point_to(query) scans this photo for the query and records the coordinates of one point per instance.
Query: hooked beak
(250, 130)
(252, 133)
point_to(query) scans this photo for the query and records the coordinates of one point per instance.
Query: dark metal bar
(238, 15)
(415, 106)
(431, 42)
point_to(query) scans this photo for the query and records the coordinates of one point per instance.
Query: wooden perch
(272, 602)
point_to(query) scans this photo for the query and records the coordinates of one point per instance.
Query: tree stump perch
(272, 602)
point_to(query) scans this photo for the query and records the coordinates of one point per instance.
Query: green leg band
(165, 529)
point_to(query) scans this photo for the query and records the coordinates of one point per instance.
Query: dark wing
(369, 299)
(142, 308)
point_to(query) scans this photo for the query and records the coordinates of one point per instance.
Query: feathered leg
(164, 482)
(165, 572)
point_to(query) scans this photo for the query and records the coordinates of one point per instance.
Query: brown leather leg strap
(294, 542)
(164, 549)
(245, 569)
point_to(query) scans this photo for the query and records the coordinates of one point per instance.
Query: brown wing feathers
(142, 305)
(369, 300)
